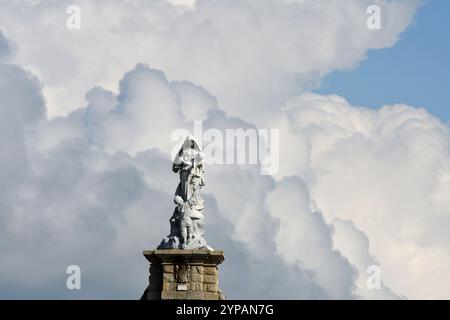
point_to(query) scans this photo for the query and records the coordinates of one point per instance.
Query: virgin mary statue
(186, 224)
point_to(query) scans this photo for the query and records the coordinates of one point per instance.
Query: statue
(186, 224)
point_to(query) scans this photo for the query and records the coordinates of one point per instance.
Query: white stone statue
(186, 224)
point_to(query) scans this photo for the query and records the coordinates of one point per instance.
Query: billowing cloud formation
(18, 91)
(387, 172)
(108, 204)
(303, 237)
(354, 245)
(85, 201)
(250, 54)
(356, 187)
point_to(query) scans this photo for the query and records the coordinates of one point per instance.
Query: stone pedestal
(183, 274)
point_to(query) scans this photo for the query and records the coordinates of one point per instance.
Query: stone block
(195, 286)
(169, 277)
(168, 268)
(210, 279)
(195, 295)
(196, 278)
(213, 271)
(169, 286)
(174, 295)
(210, 288)
(196, 269)
(210, 296)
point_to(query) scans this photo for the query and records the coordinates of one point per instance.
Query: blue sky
(416, 71)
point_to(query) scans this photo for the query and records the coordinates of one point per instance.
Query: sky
(88, 114)
(416, 71)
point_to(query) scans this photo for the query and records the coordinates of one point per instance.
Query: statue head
(190, 152)
(190, 144)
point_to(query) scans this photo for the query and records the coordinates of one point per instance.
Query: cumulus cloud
(87, 200)
(21, 107)
(90, 184)
(304, 238)
(386, 171)
(250, 54)
(354, 245)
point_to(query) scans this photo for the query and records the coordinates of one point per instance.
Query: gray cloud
(93, 187)
(88, 201)
(5, 47)
(385, 171)
(250, 54)
(83, 200)
(354, 245)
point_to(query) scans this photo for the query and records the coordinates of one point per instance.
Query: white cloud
(250, 54)
(386, 171)
(356, 186)
(354, 245)
(21, 106)
(89, 201)
(304, 238)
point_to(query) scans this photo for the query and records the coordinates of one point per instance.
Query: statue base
(183, 274)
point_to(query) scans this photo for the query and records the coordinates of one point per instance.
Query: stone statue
(186, 224)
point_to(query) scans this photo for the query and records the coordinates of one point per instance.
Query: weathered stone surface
(210, 296)
(211, 271)
(195, 295)
(197, 277)
(169, 286)
(195, 256)
(174, 295)
(196, 286)
(169, 277)
(210, 287)
(186, 295)
(195, 271)
(210, 279)
(168, 268)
